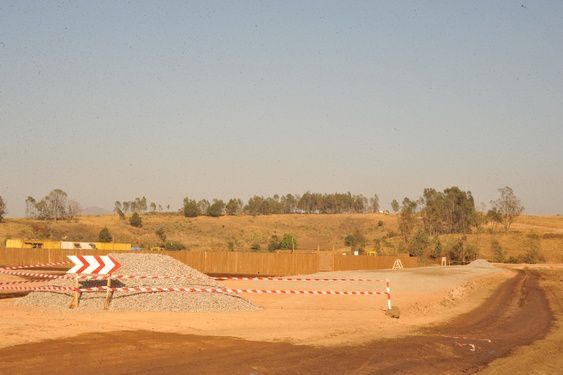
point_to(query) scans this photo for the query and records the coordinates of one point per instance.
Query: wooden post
(109, 294)
(76, 299)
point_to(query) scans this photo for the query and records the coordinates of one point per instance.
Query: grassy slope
(326, 231)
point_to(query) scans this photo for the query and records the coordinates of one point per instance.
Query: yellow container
(113, 246)
(14, 244)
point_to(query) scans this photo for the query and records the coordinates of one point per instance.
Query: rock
(394, 312)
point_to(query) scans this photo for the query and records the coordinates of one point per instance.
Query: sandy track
(516, 314)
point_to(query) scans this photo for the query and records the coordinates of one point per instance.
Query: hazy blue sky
(112, 100)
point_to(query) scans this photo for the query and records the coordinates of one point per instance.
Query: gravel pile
(480, 263)
(144, 264)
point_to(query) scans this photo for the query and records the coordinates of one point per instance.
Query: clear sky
(113, 100)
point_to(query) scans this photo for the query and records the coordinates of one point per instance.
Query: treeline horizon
(308, 203)
(451, 206)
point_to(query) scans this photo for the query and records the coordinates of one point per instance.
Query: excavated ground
(516, 314)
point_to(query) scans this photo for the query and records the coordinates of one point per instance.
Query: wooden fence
(236, 263)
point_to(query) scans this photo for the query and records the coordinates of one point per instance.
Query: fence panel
(368, 262)
(236, 263)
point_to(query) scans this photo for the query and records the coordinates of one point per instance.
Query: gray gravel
(144, 264)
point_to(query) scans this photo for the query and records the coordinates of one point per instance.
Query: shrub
(231, 245)
(105, 235)
(255, 246)
(190, 208)
(274, 243)
(512, 259)
(174, 245)
(457, 249)
(533, 250)
(436, 251)
(216, 209)
(418, 244)
(499, 255)
(355, 240)
(136, 220)
(288, 241)
(161, 234)
(471, 252)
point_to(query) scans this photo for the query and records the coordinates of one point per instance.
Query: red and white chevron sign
(93, 264)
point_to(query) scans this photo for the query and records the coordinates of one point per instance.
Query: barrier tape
(232, 291)
(52, 288)
(36, 265)
(17, 285)
(22, 282)
(34, 274)
(220, 278)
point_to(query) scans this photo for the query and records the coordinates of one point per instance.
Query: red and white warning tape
(51, 288)
(231, 291)
(36, 265)
(17, 285)
(22, 282)
(288, 279)
(220, 278)
(33, 274)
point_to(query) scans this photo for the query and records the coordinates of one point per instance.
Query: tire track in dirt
(516, 314)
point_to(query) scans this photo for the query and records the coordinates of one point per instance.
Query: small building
(66, 245)
(69, 245)
(32, 244)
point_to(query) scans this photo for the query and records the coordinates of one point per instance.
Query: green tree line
(307, 203)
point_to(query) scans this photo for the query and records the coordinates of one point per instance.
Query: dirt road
(516, 314)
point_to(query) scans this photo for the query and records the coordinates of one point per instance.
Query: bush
(216, 209)
(471, 252)
(231, 245)
(436, 250)
(512, 259)
(255, 246)
(105, 235)
(418, 244)
(533, 253)
(174, 245)
(355, 240)
(161, 234)
(288, 241)
(460, 251)
(274, 243)
(135, 220)
(190, 208)
(499, 255)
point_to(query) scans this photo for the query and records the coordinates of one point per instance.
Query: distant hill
(312, 231)
(94, 210)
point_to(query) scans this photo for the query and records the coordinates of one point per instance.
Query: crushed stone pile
(144, 264)
(480, 263)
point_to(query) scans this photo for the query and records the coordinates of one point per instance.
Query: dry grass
(324, 231)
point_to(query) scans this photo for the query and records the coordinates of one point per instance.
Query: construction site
(445, 318)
